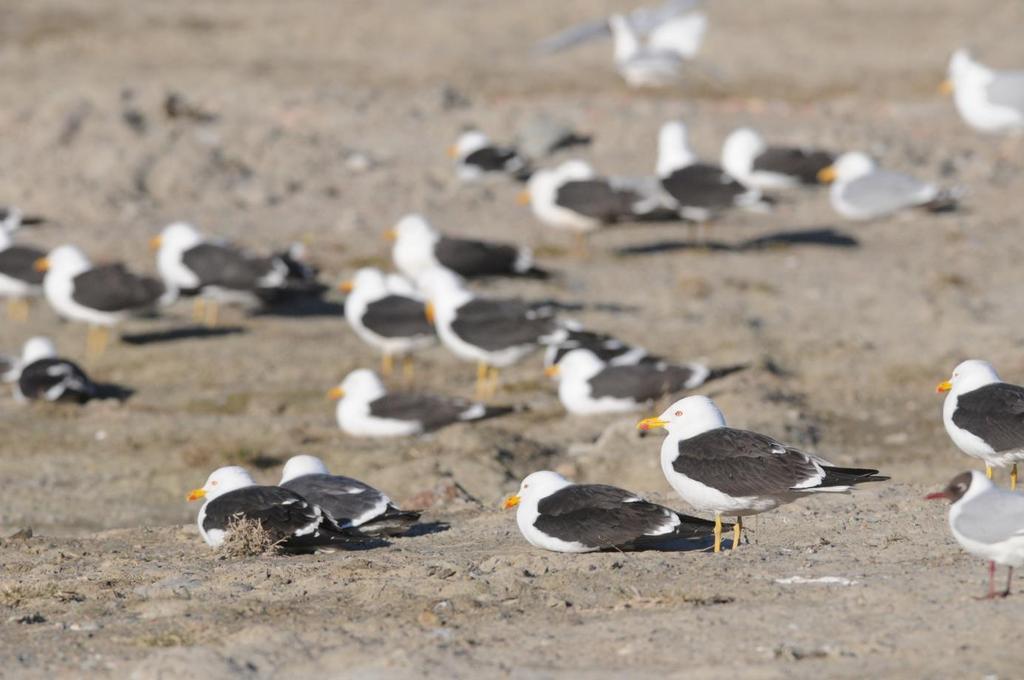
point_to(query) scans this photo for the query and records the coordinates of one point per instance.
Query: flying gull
(555, 514)
(645, 21)
(987, 100)
(587, 385)
(718, 469)
(19, 278)
(984, 416)
(747, 157)
(476, 155)
(101, 295)
(658, 61)
(862, 191)
(347, 502)
(386, 314)
(419, 247)
(987, 522)
(367, 409)
(230, 495)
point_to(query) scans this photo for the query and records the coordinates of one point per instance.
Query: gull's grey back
(992, 517)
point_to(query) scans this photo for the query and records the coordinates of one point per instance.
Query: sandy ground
(846, 343)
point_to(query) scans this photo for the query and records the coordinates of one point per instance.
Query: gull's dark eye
(679, 413)
(213, 483)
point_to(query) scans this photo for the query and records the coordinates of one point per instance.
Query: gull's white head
(176, 237)
(579, 364)
(438, 283)
(361, 384)
(64, 261)
(740, 148)
(674, 148)
(302, 465)
(221, 481)
(37, 348)
(687, 418)
(536, 486)
(962, 66)
(849, 166)
(368, 282)
(413, 252)
(468, 142)
(414, 227)
(969, 375)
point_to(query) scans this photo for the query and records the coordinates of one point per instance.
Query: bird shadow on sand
(113, 391)
(426, 529)
(678, 545)
(181, 333)
(823, 236)
(302, 309)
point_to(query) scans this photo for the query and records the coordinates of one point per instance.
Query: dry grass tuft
(247, 538)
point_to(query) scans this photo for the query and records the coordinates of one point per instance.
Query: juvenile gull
(19, 278)
(718, 469)
(987, 100)
(984, 416)
(555, 514)
(747, 157)
(367, 409)
(476, 155)
(347, 502)
(862, 191)
(987, 522)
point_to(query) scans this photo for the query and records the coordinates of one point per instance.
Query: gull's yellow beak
(944, 386)
(946, 86)
(390, 235)
(41, 265)
(429, 312)
(196, 494)
(346, 286)
(551, 371)
(335, 393)
(510, 502)
(827, 175)
(651, 424)
(155, 243)
(453, 151)
(523, 197)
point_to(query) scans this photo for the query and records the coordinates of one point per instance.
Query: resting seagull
(347, 502)
(987, 100)
(607, 348)
(367, 409)
(984, 416)
(387, 315)
(190, 263)
(101, 295)
(987, 522)
(718, 469)
(40, 375)
(747, 157)
(475, 156)
(19, 278)
(862, 191)
(588, 386)
(419, 247)
(555, 514)
(230, 495)
(494, 333)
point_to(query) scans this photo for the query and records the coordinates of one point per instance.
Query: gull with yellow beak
(984, 416)
(99, 295)
(988, 100)
(555, 514)
(739, 473)
(475, 156)
(19, 279)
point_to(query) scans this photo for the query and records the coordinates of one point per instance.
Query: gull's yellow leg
(212, 314)
(198, 309)
(408, 369)
(718, 532)
(737, 529)
(1013, 477)
(988, 470)
(17, 309)
(387, 365)
(493, 380)
(481, 378)
(96, 341)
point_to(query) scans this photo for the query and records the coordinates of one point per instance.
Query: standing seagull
(347, 502)
(19, 278)
(717, 469)
(419, 247)
(862, 191)
(747, 157)
(984, 416)
(475, 156)
(190, 263)
(367, 409)
(387, 316)
(555, 514)
(101, 296)
(987, 522)
(987, 100)
(495, 333)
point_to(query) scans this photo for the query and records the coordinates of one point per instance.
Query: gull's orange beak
(41, 265)
(827, 175)
(551, 371)
(651, 424)
(523, 197)
(429, 312)
(335, 393)
(453, 151)
(390, 235)
(155, 243)
(510, 502)
(946, 86)
(346, 286)
(944, 386)
(196, 494)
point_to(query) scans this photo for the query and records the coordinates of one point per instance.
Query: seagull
(475, 156)
(862, 191)
(987, 100)
(984, 416)
(659, 61)
(495, 333)
(386, 314)
(987, 522)
(588, 386)
(419, 247)
(189, 262)
(101, 295)
(230, 495)
(555, 514)
(347, 502)
(646, 21)
(718, 469)
(747, 157)
(39, 374)
(19, 279)
(367, 409)
(607, 348)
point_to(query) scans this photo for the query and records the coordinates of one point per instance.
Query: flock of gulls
(429, 300)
